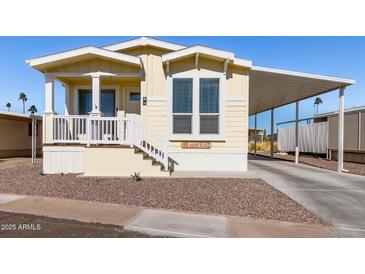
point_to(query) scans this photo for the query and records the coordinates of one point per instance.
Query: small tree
(317, 102)
(8, 105)
(23, 97)
(33, 109)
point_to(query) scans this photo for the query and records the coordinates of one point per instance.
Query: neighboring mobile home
(321, 136)
(150, 106)
(354, 135)
(16, 134)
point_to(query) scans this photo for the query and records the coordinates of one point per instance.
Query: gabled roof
(198, 49)
(84, 51)
(144, 41)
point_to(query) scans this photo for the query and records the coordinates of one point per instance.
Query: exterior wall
(350, 156)
(228, 152)
(63, 159)
(14, 138)
(351, 131)
(118, 162)
(94, 65)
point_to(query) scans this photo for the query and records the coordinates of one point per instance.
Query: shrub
(135, 177)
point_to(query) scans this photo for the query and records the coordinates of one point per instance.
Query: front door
(107, 99)
(132, 100)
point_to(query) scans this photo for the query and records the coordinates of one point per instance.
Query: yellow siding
(154, 86)
(97, 64)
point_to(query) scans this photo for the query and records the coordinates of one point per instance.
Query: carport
(272, 88)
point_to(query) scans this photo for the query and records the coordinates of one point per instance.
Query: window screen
(183, 96)
(209, 106)
(182, 106)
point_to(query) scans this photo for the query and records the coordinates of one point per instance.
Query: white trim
(98, 73)
(195, 135)
(49, 94)
(304, 75)
(242, 62)
(144, 41)
(236, 99)
(67, 98)
(84, 51)
(157, 99)
(198, 49)
(78, 87)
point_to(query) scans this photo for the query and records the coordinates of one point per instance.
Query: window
(134, 96)
(209, 106)
(182, 108)
(107, 102)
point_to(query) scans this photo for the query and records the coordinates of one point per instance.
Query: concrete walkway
(337, 198)
(158, 222)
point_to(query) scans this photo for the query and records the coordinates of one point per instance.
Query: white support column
(67, 99)
(255, 136)
(272, 135)
(96, 95)
(296, 132)
(49, 95)
(341, 116)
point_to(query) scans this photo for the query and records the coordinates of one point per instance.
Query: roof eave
(144, 41)
(80, 52)
(345, 82)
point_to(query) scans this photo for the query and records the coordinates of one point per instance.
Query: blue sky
(334, 56)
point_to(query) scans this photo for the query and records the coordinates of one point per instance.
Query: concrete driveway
(337, 198)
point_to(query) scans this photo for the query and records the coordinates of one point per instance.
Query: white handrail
(110, 130)
(149, 141)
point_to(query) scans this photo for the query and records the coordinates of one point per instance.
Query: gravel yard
(240, 197)
(353, 168)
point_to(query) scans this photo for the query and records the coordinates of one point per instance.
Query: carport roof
(272, 88)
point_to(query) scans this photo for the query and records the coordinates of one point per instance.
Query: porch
(100, 109)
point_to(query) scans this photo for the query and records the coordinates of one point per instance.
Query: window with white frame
(182, 108)
(209, 105)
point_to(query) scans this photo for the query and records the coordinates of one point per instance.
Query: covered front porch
(102, 103)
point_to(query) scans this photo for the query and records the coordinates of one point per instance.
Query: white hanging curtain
(313, 138)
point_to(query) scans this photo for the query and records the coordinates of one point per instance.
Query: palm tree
(33, 109)
(24, 98)
(8, 105)
(317, 102)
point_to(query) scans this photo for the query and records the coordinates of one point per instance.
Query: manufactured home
(16, 134)
(154, 107)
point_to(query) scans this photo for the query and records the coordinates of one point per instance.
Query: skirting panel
(209, 161)
(59, 159)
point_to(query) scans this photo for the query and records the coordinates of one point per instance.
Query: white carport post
(296, 132)
(272, 135)
(255, 135)
(341, 101)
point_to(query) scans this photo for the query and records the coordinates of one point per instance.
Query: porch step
(154, 162)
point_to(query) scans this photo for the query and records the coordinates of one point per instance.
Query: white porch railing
(76, 129)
